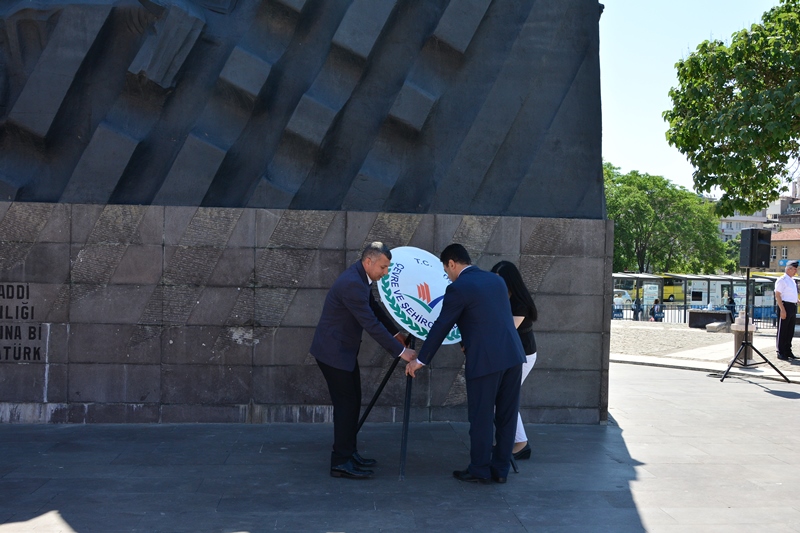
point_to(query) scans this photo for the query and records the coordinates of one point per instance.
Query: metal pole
(377, 393)
(404, 439)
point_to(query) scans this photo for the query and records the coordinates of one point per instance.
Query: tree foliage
(736, 111)
(661, 227)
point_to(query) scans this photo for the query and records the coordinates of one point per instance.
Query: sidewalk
(682, 452)
(714, 356)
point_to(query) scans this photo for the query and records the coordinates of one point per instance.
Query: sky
(640, 42)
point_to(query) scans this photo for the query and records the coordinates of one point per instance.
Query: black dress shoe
(351, 471)
(498, 479)
(783, 357)
(791, 356)
(524, 453)
(464, 475)
(361, 461)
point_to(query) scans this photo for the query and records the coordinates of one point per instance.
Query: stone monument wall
(185, 314)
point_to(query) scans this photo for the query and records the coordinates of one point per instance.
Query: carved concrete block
(459, 23)
(75, 32)
(362, 25)
(245, 71)
(164, 51)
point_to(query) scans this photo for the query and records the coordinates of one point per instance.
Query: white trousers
(530, 360)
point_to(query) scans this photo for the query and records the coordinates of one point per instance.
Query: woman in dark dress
(525, 314)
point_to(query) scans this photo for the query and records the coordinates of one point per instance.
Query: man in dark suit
(478, 302)
(349, 309)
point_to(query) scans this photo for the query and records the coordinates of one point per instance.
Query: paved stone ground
(664, 340)
(681, 453)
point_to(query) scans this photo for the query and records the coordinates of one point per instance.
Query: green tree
(736, 111)
(659, 226)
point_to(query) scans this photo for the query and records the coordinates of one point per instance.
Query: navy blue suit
(349, 309)
(478, 302)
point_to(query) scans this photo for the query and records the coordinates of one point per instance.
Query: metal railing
(764, 317)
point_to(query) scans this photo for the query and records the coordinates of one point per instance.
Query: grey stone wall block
(272, 304)
(234, 268)
(177, 302)
(215, 307)
(117, 224)
(57, 228)
(460, 22)
(100, 166)
(266, 222)
(84, 217)
(301, 229)
(244, 233)
(57, 342)
(568, 350)
(323, 269)
(176, 220)
(124, 413)
(424, 236)
(358, 227)
(534, 269)
(42, 263)
(210, 227)
(362, 25)
(202, 414)
(106, 383)
(246, 71)
(56, 383)
(334, 238)
(393, 229)
(282, 267)
(96, 263)
(545, 236)
(282, 346)
(272, 414)
(303, 310)
(562, 388)
(561, 416)
(412, 106)
(191, 265)
(574, 275)
(24, 222)
(206, 384)
(506, 237)
(47, 85)
(114, 304)
(570, 312)
(295, 385)
(112, 343)
(139, 265)
(475, 232)
(207, 345)
(445, 227)
(22, 382)
(311, 120)
(164, 51)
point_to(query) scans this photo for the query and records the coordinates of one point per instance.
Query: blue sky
(640, 42)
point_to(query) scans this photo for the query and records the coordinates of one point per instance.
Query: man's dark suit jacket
(478, 301)
(350, 309)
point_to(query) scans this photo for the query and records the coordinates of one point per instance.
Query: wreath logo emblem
(413, 291)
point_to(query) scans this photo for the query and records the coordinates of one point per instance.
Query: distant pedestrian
(656, 312)
(786, 298)
(637, 309)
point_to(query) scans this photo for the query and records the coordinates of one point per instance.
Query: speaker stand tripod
(746, 342)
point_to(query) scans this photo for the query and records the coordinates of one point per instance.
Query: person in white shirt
(786, 298)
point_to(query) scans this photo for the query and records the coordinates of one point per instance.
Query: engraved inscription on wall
(22, 339)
